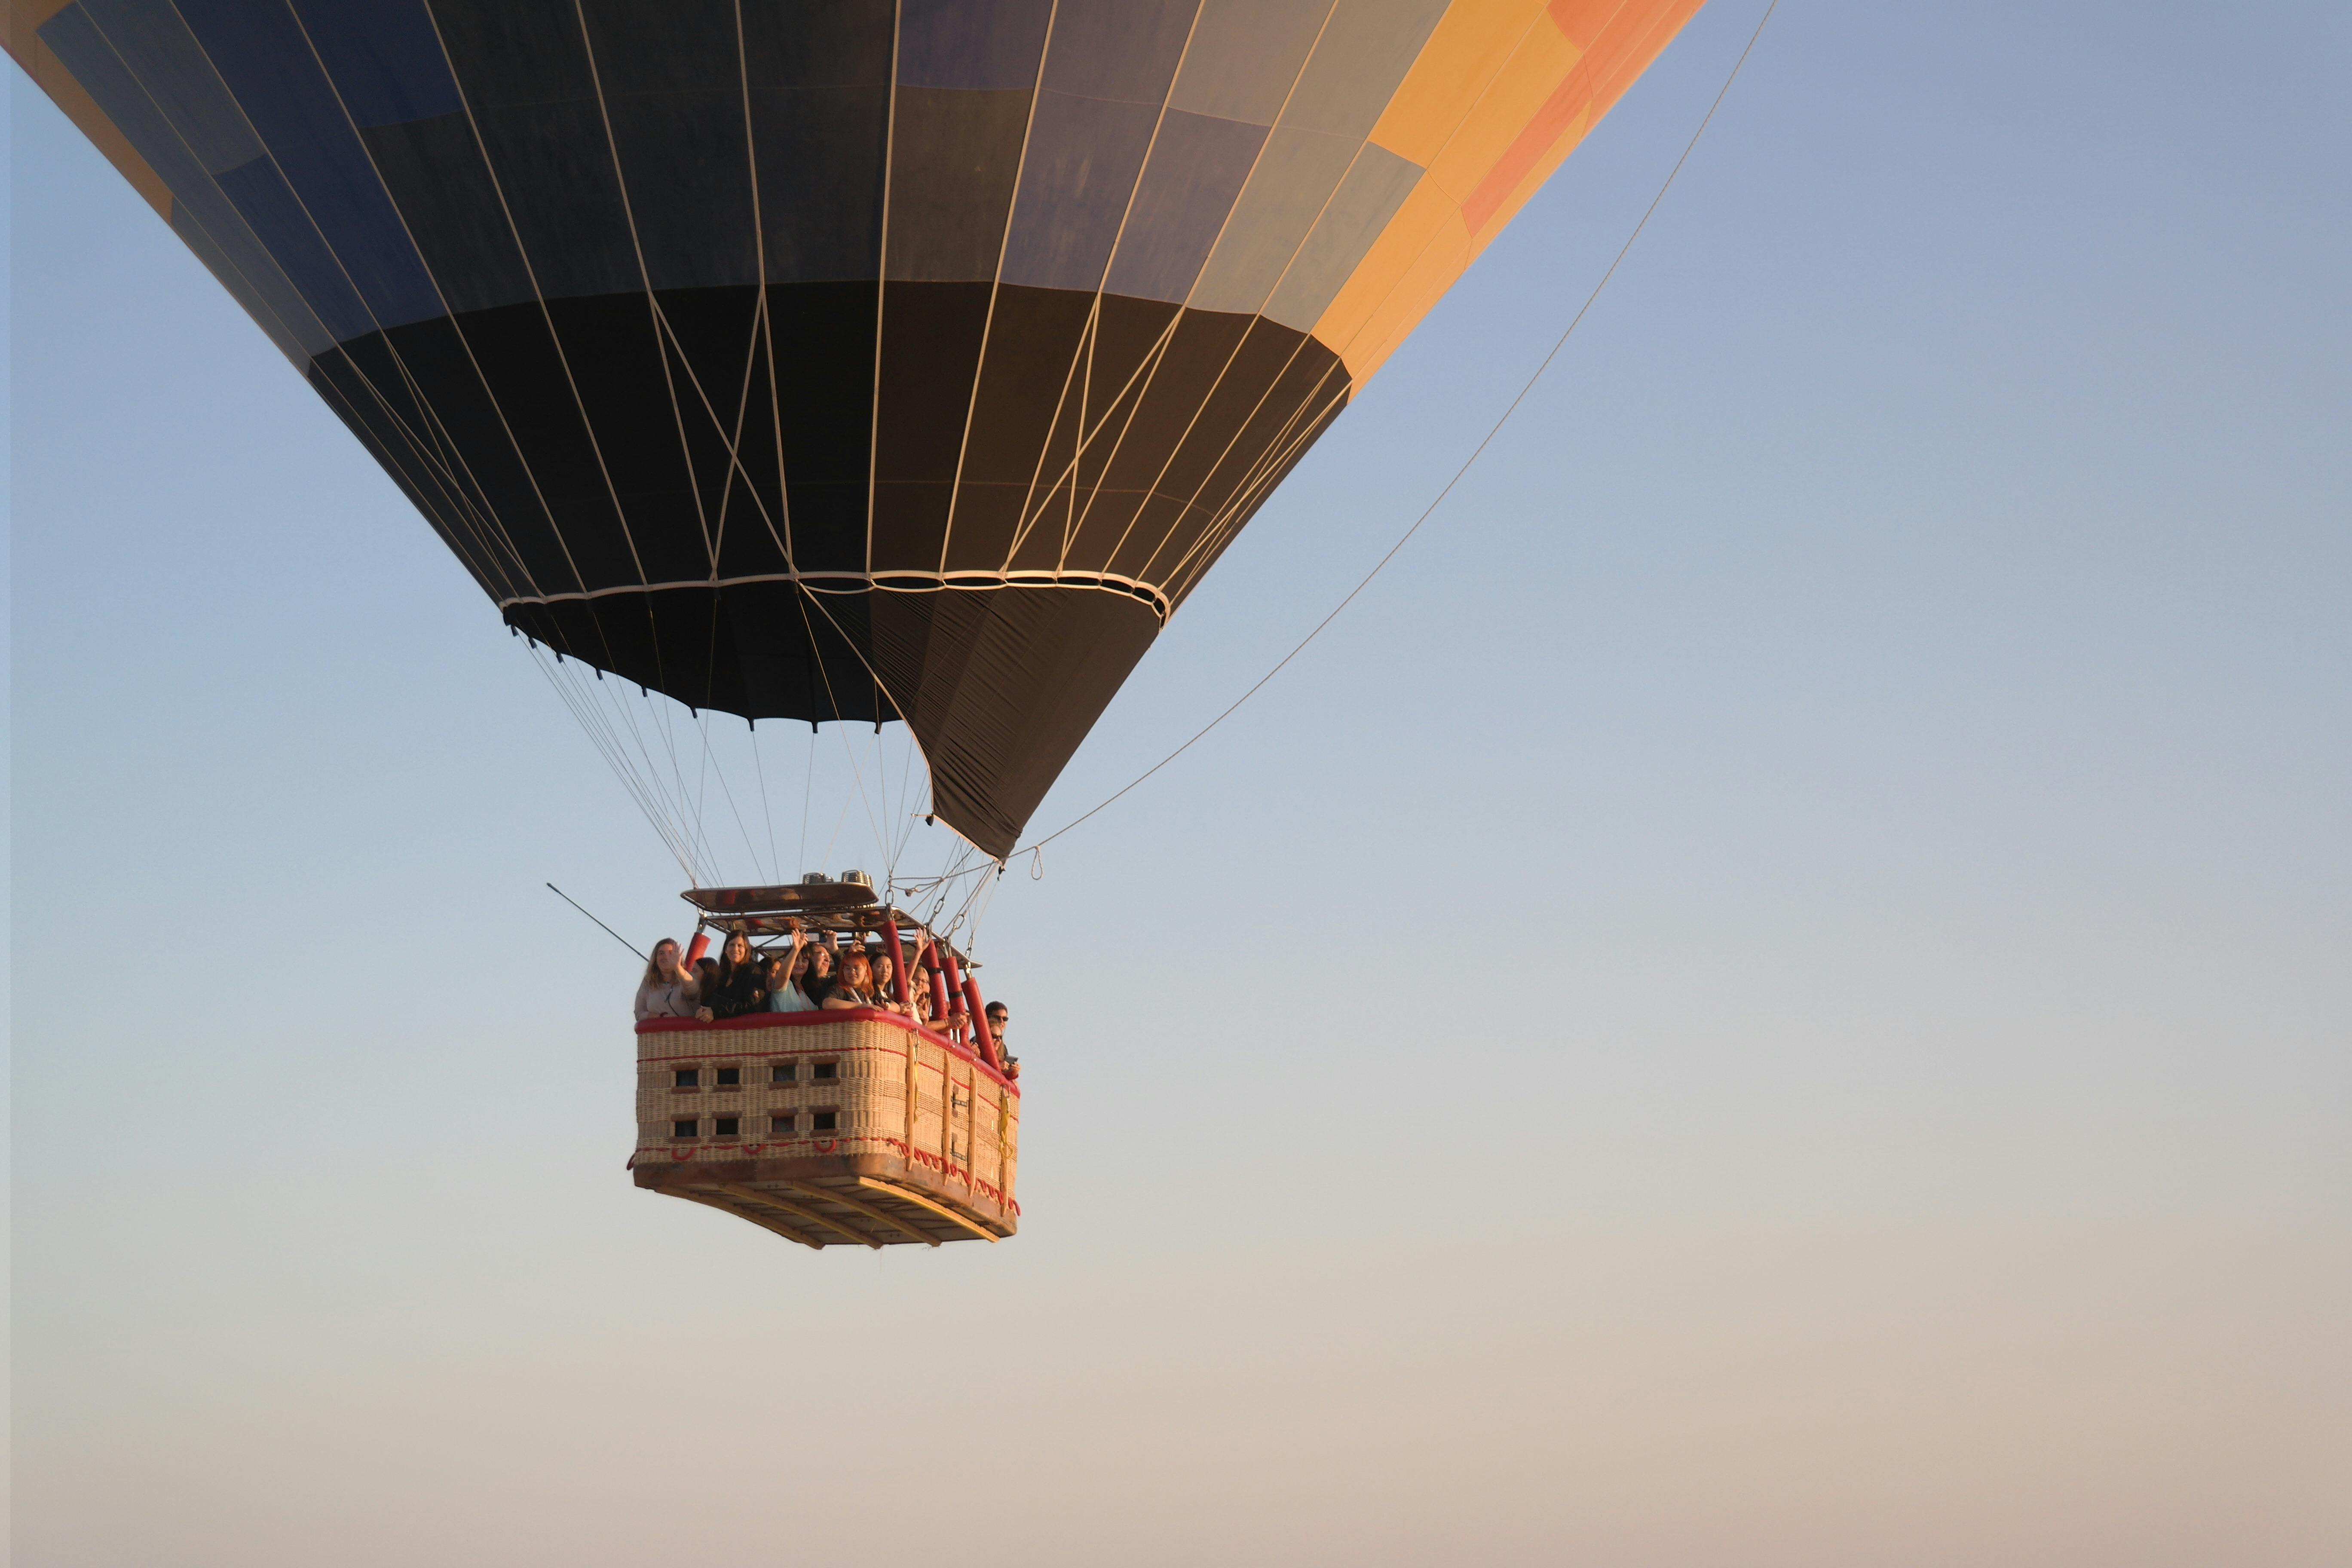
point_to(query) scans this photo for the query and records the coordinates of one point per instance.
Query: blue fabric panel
(263, 56)
(1197, 169)
(985, 43)
(1117, 48)
(217, 234)
(171, 66)
(1080, 168)
(269, 208)
(198, 207)
(383, 57)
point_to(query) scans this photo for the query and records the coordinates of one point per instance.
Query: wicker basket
(828, 1127)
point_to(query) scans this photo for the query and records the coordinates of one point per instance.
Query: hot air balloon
(843, 360)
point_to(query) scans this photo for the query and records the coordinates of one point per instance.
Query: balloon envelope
(857, 359)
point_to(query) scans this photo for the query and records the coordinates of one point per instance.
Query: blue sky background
(1775, 992)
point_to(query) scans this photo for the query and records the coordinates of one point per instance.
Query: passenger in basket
(786, 972)
(669, 989)
(997, 1015)
(742, 987)
(930, 1012)
(853, 986)
(818, 981)
(886, 995)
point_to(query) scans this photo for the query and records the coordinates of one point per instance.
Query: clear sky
(1776, 993)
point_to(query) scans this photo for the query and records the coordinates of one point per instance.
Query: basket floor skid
(847, 1128)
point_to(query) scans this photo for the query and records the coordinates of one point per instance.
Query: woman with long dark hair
(742, 987)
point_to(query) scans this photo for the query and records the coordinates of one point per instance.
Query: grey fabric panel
(1124, 50)
(1365, 52)
(672, 84)
(556, 174)
(169, 63)
(978, 45)
(1080, 168)
(953, 159)
(1366, 200)
(434, 172)
(1294, 176)
(1198, 166)
(516, 52)
(524, 68)
(1245, 55)
(690, 187)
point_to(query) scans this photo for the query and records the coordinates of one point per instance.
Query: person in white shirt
(669, 989)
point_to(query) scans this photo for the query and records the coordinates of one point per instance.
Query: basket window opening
(826, 1069)
(823, 1122)
(725, 1127)
(782, 1072)
(729, 1077)
(683, 1128)
(686, 1078)
(781, 1124)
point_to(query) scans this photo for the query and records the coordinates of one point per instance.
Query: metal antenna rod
(608, 930)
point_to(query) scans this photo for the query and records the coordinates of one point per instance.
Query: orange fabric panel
(1463, 55)
(1503, 92)
(1496, 121)
(1427, 213)
(1618, 50)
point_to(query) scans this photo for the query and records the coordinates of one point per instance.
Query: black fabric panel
(930, 354)
(822, 336)
(999, 685)
(1002, 686)
(518, 453)
(723, 379)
